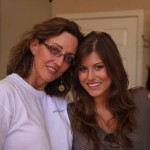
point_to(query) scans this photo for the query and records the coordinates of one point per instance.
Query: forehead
(91, 58)
(65, 40)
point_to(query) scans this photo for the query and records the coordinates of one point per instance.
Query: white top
(30, 119)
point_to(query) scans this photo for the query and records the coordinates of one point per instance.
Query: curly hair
(118, 101)
(21, 57)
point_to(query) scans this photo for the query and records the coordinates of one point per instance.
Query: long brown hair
(21, 57)
(118, 101)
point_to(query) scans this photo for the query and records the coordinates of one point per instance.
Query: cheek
(42, 56)
(65, 67)
(107, 79)
(38, 54)
(81, 77)
(104, 74)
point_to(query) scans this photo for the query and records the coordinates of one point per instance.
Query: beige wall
(83, 6)
(16, 16)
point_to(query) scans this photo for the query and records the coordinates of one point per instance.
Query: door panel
(124, 32)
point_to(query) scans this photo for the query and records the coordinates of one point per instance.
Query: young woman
(104, 115)
(32, 109)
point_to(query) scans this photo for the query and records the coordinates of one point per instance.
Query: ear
(34, 46)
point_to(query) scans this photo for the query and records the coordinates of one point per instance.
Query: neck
(100, 102)
(37, 85)
(104, 117)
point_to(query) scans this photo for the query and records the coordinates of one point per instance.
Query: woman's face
(93, 76)
(47, 67)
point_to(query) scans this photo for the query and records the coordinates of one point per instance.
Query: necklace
(106, 128)
(105, 125)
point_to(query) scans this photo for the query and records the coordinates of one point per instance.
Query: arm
(5, 118)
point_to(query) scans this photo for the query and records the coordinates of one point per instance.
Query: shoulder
(7, 98)
(9, 82)
(140, 97)
(6, 87)
(139, 93)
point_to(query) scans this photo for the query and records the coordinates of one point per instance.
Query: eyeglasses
(112, 140)
(68, 58)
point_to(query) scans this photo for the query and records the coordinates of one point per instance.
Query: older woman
(32, 109)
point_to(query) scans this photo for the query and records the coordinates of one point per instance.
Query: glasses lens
(69, 58)
(55, 51)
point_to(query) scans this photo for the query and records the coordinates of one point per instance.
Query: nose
(91, 74)
(59, 61)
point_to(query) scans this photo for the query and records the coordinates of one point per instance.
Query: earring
(61, 87)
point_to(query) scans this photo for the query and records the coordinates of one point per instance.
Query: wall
(86, 6)
(80, 6)
(17, 16)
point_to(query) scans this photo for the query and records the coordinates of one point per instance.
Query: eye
(82, 69)
(53, 50)
(99, 66)
(69, 58)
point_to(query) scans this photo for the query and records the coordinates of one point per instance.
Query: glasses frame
(59, 54)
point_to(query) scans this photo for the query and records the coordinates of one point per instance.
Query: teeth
(52, 69)
(94, 84)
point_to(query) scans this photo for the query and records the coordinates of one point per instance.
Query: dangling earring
(61, 87)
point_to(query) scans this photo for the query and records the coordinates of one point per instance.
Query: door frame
(117, 14)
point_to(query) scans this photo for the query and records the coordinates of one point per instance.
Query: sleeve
(141, 136)
(140, 95)
(6, 113)
(142, 102)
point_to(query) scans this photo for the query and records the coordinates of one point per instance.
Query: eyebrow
(101, 63)
(98, 63)
(62, 48)
(58, 45)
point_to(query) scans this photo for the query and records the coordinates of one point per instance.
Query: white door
(124, 33)
(126, 28)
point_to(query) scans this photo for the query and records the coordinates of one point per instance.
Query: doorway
(126, 28)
